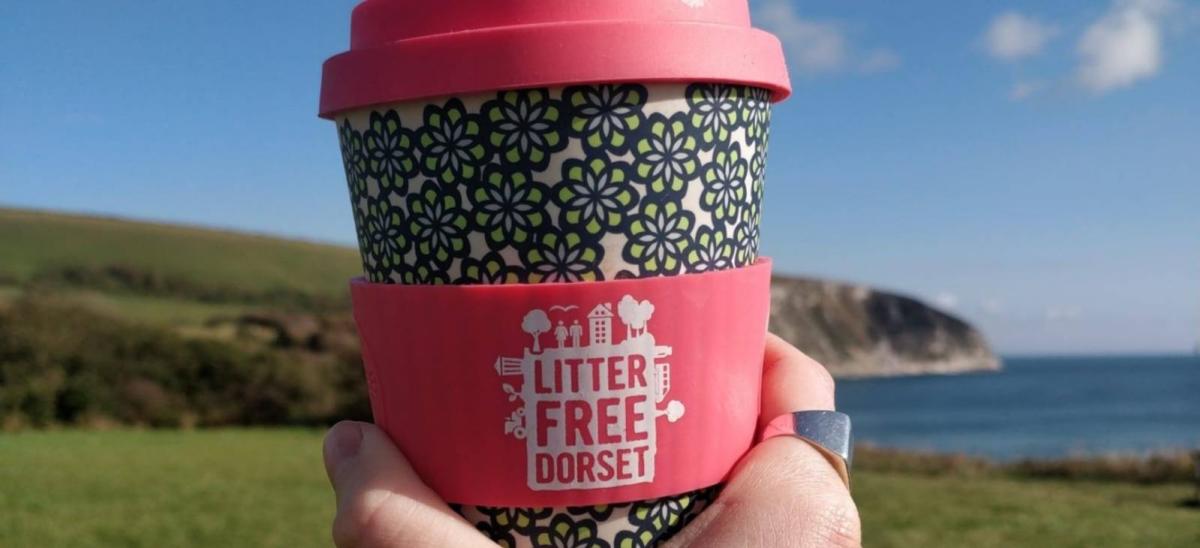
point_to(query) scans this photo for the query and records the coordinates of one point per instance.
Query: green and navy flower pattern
(666, 156)
(525, 127)
(754, 206)
(387, 233)
(582, 183)
(627, 525)
(353, 158)
(451, 143)
(565, 257)
(661, 513)
(595, 195)
(745, 244)
(389, 150)
(502, 537)
(756, 114)
(437, 224)
(565, 532)
(489, 269)
(520, 520)
(713, 110)
(423, 274)
(509, 207)
(725, 184)
(599, 512)
(658, 237)
(710, 250)
(605, 117)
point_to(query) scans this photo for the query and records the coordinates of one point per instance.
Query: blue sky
(1030, 166)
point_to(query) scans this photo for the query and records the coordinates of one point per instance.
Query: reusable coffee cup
(558, 206)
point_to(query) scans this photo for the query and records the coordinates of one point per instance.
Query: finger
(792, 381)
(784, 492)
(380, 500)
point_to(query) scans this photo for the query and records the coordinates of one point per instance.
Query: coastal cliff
(856, 331)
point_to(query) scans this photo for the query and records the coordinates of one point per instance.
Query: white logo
(589, 404)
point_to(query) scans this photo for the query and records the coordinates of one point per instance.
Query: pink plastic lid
(410, 49)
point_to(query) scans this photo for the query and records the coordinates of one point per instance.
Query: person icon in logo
(576, 331)
(560, 334)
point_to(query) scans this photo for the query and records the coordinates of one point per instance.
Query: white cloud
(811, 45)
(1123, 46)
(1013, 36)
(1062, 313)
(946, 300)
(992, 306)
(1024, 90)
(815, 46)
(879, 60)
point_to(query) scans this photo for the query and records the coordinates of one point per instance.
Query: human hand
(784, 492)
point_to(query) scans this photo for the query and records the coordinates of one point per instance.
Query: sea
(1035, 407)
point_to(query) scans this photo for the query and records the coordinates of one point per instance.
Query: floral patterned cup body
(573, 184)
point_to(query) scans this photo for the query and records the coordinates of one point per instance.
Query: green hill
(132, 259)
(105, 321)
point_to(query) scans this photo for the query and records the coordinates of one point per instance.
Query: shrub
(118, 278)
(1154, 468)
(60, 363)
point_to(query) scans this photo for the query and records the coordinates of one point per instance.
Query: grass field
(267, 488)
(156, 310)
(163, 488)
(32, 241)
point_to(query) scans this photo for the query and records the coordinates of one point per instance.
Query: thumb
(380, 500)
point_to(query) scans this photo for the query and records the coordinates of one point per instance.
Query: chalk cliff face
(856, 331)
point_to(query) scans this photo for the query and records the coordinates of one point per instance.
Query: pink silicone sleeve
(494, 402)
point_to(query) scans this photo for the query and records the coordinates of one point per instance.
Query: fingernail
(342, 443)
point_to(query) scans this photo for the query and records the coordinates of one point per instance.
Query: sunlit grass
(33, 241)
(163, 488)
(267, 488)
(955, 511)
(144, 308)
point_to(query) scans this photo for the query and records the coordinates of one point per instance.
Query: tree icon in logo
(535, 323)
(634, 315)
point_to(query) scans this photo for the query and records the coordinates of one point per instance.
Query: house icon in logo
(600, 324)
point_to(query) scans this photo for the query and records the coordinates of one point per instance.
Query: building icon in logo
(600, 324)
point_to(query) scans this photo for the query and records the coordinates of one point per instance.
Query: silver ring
(828, 430)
